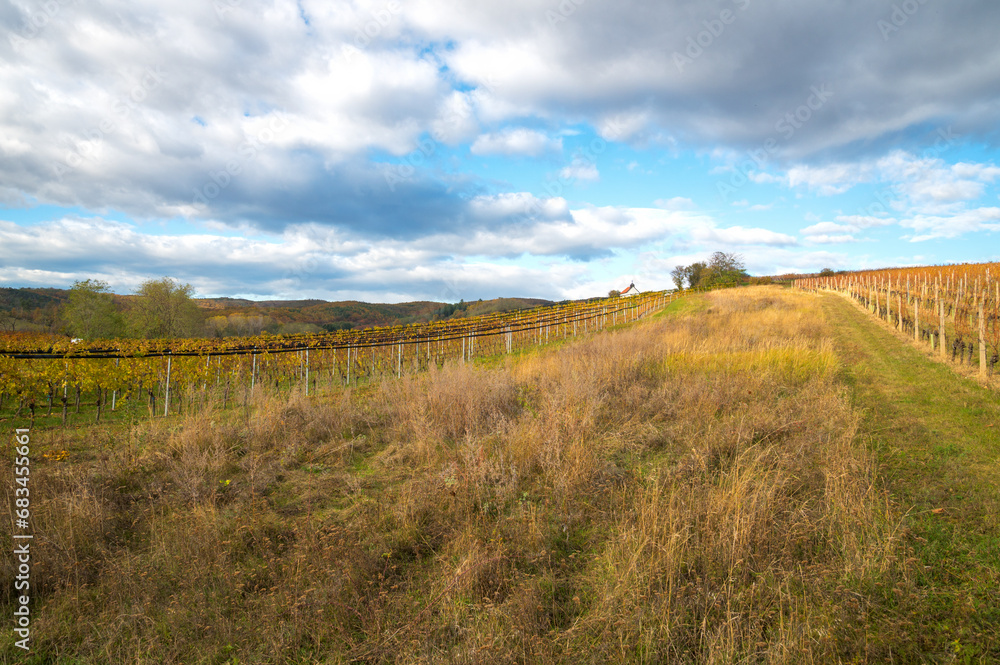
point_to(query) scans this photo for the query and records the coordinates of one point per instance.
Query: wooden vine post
(166, 397)
(982, 338)
(941, 340)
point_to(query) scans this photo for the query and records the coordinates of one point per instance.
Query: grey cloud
(749, 74)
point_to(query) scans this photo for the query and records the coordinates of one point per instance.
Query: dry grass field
(692, 488)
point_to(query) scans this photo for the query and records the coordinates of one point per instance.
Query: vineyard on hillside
(174, 374)
(955, 309)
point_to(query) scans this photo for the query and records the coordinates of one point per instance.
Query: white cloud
(844, 230)
(580, 170)
(515, 141)
(587, 232)
(829, 180)
(927, 182)
(827, 227)
(858, 222)
(456, 120)
(737, 235)
(932, 186)
(762, 178)
(832, 239)
(675, 203)
(930, 227)
(520, 206)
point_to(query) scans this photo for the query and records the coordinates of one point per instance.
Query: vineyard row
(178, 374)
(954, 310)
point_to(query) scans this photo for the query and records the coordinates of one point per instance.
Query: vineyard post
(335, 372)
(114, 393)
(941, 338)
(166, 398)
(399, 361)
(253, 370)
(307, 372)
(899, 311)
(916, 318)
(888, 301)
(982, 338)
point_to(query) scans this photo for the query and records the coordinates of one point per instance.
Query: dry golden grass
(688, 489)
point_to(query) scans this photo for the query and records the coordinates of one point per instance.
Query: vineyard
(955, 310)
(177, 374)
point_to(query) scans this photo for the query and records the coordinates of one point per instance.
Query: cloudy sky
(392, 150)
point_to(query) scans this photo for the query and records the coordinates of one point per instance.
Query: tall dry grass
(688, 489)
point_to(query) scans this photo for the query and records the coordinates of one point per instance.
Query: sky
(400, 150)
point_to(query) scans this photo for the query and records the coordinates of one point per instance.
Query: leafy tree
(826, 272)
(164, 309)
(696, 274)
(447, 311)
(614, 293)
(217, 326)
(727, 263)
(722, 268)
(91, 313)
(679, 275)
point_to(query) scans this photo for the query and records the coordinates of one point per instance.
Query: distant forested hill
(38, 309)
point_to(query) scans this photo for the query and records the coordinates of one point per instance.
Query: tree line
(721, 268)
(159, 308)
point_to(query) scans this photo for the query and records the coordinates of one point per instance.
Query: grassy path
(938, 438)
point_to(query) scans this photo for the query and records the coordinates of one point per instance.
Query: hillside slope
(698, 487)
